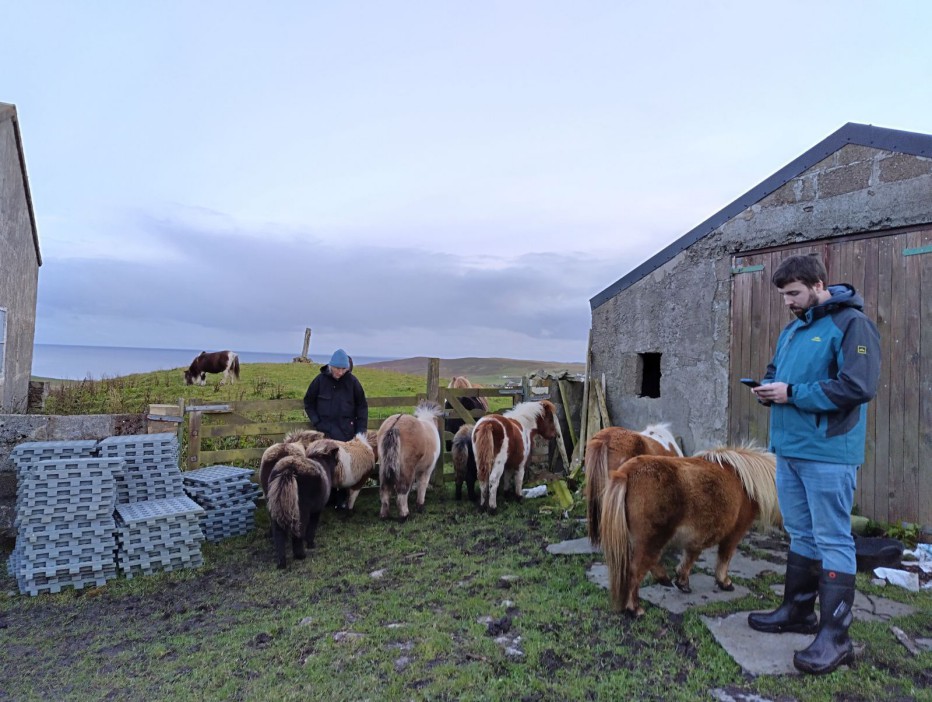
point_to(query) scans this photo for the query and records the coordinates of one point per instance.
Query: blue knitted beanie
(339, 359)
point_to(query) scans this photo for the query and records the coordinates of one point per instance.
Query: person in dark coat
(335, 402)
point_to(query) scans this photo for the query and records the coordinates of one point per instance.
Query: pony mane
(757, 469)
(428, 411)
(526, 413)
(460, 381)
(662, 434)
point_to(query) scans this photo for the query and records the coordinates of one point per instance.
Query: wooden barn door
(894, 275)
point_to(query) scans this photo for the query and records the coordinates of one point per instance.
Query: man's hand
(770, 393)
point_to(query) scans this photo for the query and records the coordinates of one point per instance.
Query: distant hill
(486, 371)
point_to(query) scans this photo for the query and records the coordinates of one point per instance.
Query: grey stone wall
(682, 310)
(18, 428)
(19, 271)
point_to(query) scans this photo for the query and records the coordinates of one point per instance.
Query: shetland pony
(694, 503)
(305, 437)
(296, 491)
(611, 447)
(409, 447)
(464, 463)
(355, 463)
(453, 423)
(502, 442)
(225, 362)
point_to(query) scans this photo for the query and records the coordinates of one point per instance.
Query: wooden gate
(894, 275)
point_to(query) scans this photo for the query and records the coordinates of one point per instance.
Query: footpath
(756, 653)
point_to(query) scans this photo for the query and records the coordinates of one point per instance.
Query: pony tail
(615, 539)
(596, 477)
(282, 496)
(389, 457)
(235, 366)
(483, 449)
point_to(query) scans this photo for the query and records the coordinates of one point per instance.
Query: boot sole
(788, 629)
(847, 659)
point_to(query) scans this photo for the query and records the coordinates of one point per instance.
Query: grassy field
(451, 605)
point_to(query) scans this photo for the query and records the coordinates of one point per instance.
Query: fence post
(194, 440)
(433, 394)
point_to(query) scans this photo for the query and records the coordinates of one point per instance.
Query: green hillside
(486, 371)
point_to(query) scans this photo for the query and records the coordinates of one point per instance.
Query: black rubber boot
(831, 647)
(797, 613)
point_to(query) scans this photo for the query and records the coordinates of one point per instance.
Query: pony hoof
(665, 582)
(683, 587)
(300, 556)
(493, 511)
(280, 566)
(419, 509)
(727, 588)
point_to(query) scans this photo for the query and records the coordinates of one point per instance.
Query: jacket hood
(843, 295)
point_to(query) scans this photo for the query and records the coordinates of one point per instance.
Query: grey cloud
(237, 281)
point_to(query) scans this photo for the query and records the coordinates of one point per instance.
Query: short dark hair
(807, 269)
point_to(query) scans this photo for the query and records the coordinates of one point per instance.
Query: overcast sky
(412, 178)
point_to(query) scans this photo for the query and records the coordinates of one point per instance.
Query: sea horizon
(83, 362)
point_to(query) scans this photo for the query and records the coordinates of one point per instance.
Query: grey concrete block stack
(157, 535)
(228, 497)
(65, 525)
(152, 471)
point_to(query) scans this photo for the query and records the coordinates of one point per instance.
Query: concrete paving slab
(671, 599)
(573, 547)
(869, 608)
(741, 566)
(756, 653)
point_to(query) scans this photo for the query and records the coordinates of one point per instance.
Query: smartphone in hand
(750, 382)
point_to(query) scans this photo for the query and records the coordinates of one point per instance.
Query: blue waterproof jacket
(832, 360)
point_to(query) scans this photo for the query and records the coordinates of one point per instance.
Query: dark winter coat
(338, 408)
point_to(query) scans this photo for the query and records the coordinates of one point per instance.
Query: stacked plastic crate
(228, 497)
(64, 522)
(159, 535)
(151, 466)
(157, 524)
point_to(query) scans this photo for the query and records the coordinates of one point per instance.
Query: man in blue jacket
(825, 369)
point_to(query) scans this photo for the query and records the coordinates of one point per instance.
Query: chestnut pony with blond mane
(502, 442)
(711, 498)
(611, 447)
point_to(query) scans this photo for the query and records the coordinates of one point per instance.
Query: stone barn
(19, 267)
(673, 336)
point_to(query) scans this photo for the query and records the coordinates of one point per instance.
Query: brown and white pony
(355, 463)
(409, 447)
(305, 437)
(608, 449)
(693, 503)
(296, 491)
(502, 442)
(225, 362)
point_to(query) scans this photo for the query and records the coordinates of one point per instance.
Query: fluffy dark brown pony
(464, 463)
(694, 503)
(296, 491)
(503, 443)
(608, 449)
(409, 447)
